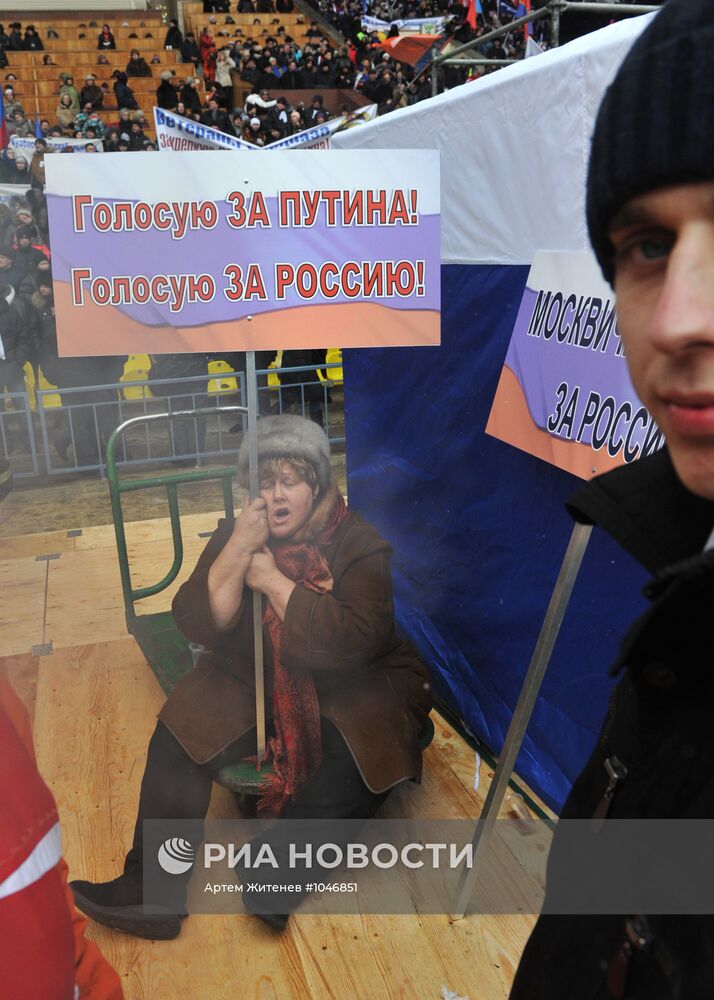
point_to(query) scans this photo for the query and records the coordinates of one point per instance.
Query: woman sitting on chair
(346, 696)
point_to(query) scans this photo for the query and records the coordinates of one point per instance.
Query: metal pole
(524, 708)
(434, 80)
(556, 7)
(480, 62)
(611, 8)
(252, 391)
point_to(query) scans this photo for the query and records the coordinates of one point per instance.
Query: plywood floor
(93, 702)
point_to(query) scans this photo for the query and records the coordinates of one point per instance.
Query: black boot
(118, 904)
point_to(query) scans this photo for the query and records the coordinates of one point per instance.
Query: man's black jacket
(660, 726)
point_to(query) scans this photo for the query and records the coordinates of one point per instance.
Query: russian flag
(524, 7)
(4, 135)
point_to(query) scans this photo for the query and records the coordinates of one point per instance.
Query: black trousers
(176, 788)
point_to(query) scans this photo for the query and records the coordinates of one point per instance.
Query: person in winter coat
(14, 343)
(11, 103)
(65, 113)
(15, 40)
(32, 41)
(123, 124)
(27, 256)
(349, 697)
(166, 95)
(19, 125)
(137, 137)
(124, 94)
(189, 96)
(18, 170)
(89, 121)
(11, 273)
(174, 38)
(217, 118)
(189, 50)
(69, 88)
(106, 39)
(224, 65)
(37, 164)
(255, 133)
(137, 65)
(91, 93)
(649, 212)
(207, 52)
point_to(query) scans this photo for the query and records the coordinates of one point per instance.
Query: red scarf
(296, 748)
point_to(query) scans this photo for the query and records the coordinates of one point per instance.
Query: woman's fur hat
(285, 436)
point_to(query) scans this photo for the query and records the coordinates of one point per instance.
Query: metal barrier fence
(17, 438)
(74, 431)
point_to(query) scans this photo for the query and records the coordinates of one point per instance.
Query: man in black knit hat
(650, 208)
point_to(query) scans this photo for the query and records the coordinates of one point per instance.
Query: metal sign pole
(252, 393)
(524, 708)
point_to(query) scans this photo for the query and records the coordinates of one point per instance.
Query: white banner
(26, 147)
(9, 191)
(175, 133)
(411, 26)
(212, 252)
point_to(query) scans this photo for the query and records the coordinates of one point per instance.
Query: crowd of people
(272, 65)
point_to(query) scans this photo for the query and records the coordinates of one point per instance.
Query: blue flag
(38, 130)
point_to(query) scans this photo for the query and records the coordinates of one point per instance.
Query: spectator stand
(75, 52)
(250, 25)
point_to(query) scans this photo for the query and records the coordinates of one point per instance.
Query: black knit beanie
(655, 126)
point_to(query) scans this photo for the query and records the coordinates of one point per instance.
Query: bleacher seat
(37, 85)
(224, 380)
(136, 369)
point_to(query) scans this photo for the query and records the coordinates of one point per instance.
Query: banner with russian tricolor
(565, 394)
(244, 253)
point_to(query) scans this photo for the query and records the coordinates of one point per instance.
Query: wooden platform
(93, 703)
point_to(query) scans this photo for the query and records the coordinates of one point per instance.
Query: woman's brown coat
(370, 683)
